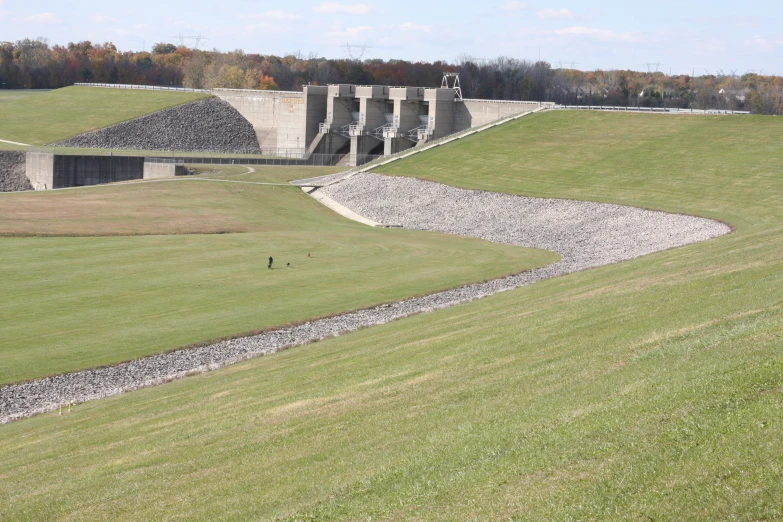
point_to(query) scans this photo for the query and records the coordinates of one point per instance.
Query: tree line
(34, 64)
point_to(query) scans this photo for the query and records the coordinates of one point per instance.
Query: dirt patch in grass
(160, 209)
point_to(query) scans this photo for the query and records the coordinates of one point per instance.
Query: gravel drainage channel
(585, 234)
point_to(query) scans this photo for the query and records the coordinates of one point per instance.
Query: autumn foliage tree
(33, 63)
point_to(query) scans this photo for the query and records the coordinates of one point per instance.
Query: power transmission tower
(650, 65)
(355, 52)
(182, 40)
(198, 39)
(572, 64)
(456, 86)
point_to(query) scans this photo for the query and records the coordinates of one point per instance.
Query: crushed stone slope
(209, 125)
(13, 175)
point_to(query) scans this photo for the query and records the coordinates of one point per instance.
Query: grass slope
(193, 267)
(52, 116)
(650, 389)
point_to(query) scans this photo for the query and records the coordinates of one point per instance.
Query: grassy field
(651, 389)
(10, 96)
(177, 262)
(48, 117)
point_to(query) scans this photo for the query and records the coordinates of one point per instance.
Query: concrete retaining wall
(475, 113)
(281, 119)
(52, 171)
(79, 171)
(155, 170)
(40, 170)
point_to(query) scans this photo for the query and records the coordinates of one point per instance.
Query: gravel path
(209, 125)
(584, 234)
(13, 172)
(320, 181)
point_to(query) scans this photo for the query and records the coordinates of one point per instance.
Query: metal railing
(378, 132)
(418, 133)
(513, 102)
(674, 110)
(287, 93)
(141, 87)
(279, 153)
(345, 130)
(296, 158)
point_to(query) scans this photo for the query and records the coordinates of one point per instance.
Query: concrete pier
(440, 113)
(374, 113)
(409, 113)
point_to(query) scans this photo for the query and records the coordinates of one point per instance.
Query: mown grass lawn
(140, 268)
(649, 389)
(48, 117)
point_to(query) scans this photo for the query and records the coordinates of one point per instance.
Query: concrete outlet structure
(361, 122)
(52, 171)
(157, 170)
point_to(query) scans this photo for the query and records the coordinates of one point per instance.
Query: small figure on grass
(270, 262)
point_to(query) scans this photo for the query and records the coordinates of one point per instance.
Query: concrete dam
(361, 121)
(339, 124)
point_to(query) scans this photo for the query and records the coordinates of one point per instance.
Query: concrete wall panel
(40, 170)
(79, 171)
(278, 117)
(315, 107)
(406, 115)
(153, 170)
(474, 113)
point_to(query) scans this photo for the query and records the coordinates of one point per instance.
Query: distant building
(737, 94)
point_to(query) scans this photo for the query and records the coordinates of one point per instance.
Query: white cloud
(351, 9)
(594, 33)
(555, 13)
(410, 26)
(43, 18)
(102, 19)
(271, 15)
(125, 32)
(513, 6)
(749, 22)
(348, 32)
(763, 44)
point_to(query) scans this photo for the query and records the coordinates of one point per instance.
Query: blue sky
(681, 36)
